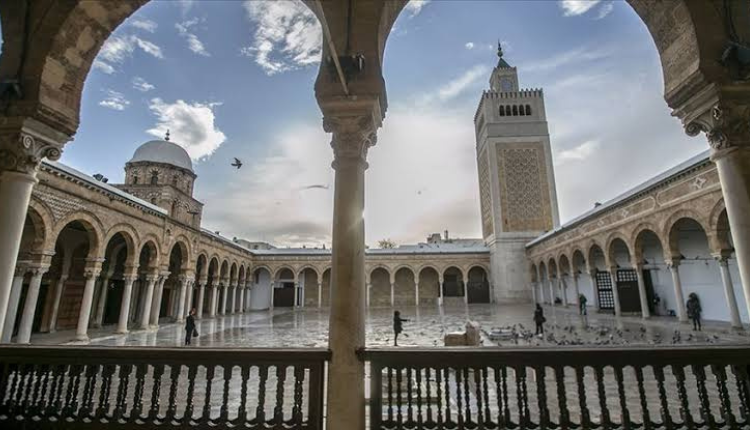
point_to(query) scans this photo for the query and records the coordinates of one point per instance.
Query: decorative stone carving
(352, 136)
(22, 151)
(58, 205)
(726, 125)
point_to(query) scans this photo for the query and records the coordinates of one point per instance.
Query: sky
(235, 79)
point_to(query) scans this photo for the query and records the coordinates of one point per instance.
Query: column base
(82, 338)
(125, 331)
(153, 326)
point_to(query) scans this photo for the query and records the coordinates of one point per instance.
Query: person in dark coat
(694, 311)
(539, 319)
(397, 327)
(582, 300)
(190, 330)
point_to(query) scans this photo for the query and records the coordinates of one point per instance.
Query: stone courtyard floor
(308, 327)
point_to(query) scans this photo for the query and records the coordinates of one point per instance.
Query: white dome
(162, 151)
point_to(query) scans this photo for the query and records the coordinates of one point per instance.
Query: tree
(386, 244)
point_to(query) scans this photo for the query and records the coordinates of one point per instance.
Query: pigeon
(237, 163)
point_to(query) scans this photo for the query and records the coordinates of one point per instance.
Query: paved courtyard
(308, 327)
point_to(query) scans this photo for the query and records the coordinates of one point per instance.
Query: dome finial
(499, 49)
(166, 137)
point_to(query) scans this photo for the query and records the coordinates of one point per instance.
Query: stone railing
(563, 388)
(93, 387)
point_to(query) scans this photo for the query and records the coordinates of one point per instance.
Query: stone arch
(184, 252)
(380, 286)
(37, 243)
(241, 276)
(260, 297)
(577, 256)
(404, 281)
(595, 249)
(224, 271)
(610, 244)
(430, 266)
(309, 279)
(44, 218)
(429, 279)
(202, 257)
(93, 229)
(187, 247)
(399, 267)
(154, 256)
(668, 227)
(376, 267)
(716, 212)
(281, 268)
(478, 284)
(130, 235)
(233, 273)
(637, 236)
(453, 281)
(563, 262)
(308, 266)
(533, 268)
(552, 269)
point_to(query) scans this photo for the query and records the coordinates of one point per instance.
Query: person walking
(539, 319)
(397, 326)
(694, 311)
(190, 331)
(582, 307)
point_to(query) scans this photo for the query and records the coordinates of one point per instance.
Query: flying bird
(237, 163)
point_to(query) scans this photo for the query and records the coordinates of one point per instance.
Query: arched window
(154, 177)
(515, 110)
(528, 110)
(521, 111)
(507, 110)
(135, 179)
(502, 110)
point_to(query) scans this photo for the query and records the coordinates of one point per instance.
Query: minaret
(516, 178)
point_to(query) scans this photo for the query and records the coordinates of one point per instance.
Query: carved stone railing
(563, 388)
(93, 387)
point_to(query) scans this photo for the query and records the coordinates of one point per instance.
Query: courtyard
(308, 328)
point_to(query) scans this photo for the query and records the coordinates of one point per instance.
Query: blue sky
(236, 79)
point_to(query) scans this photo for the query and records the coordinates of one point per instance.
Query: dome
(162, 151)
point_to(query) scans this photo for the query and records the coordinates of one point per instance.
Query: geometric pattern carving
(525, 196)
(59, 206)
(485, 199)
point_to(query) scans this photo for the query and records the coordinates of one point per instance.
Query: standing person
(582, 300)
(190, 330)
(694, 311)
(397, 327)
(539, 319)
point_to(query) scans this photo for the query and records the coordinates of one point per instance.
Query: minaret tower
(516, 178)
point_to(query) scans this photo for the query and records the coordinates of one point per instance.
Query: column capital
(723, 115)
(353, 135)
(38, 270)
(721, 258)
(24, 142)
(673, 263)
(130, 278)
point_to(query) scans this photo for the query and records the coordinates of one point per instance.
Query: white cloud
(287, 36)
(104, 67)
(577, 7)
(469, 45)
(114, 100)
(194, 43)
(462, 82)
(414, 7)
(140, 84)
(575, 56)
(191, 125)
(117, 49)
(144, 24)
(605, 10)
(578, 153)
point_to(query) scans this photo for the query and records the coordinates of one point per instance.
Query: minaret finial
(166, 137)
(499, 49)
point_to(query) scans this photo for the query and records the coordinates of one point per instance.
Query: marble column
(29, 307)
(24, 142)
(416, 293)
(679, 297)
(466, 289)
(615, 291)
(645, 312)
(440, 292)
(56, 299)
(102, 300)
(726, 279)
(352, 136)
(84, 314)
(201, 294)
(212, 302)
(551, 286)
(393, 293)
(368, 292)
(125, 303)
(13, 303)
(155, 311)
(594, 288)
(273, 294)
(223, 305)
(320, 294)
(563, 290)
(148, 301)
(533, 292)
(233, 299)
(182, 294)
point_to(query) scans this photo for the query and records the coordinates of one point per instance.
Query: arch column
(59, 289)
(645, 312)
(232, 298)
(392, 284)
(29, 307)
(122, 321)
(594, 289)
(224, 290)
(551, 284)
(466, 286)
(440, 291)
(24, 142)
(320, 294)
(212, 302)
(156, 301)
(416, 290)
(13, 302)
(148, 300)
(242, 300)
(93, 267)
(101, 300)
(679, 296)
(184, 285)
(273, 293)
(563, 290)
(726, 280)
(353, 131)
(615, 291)
(201, 294)
(577, 290)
